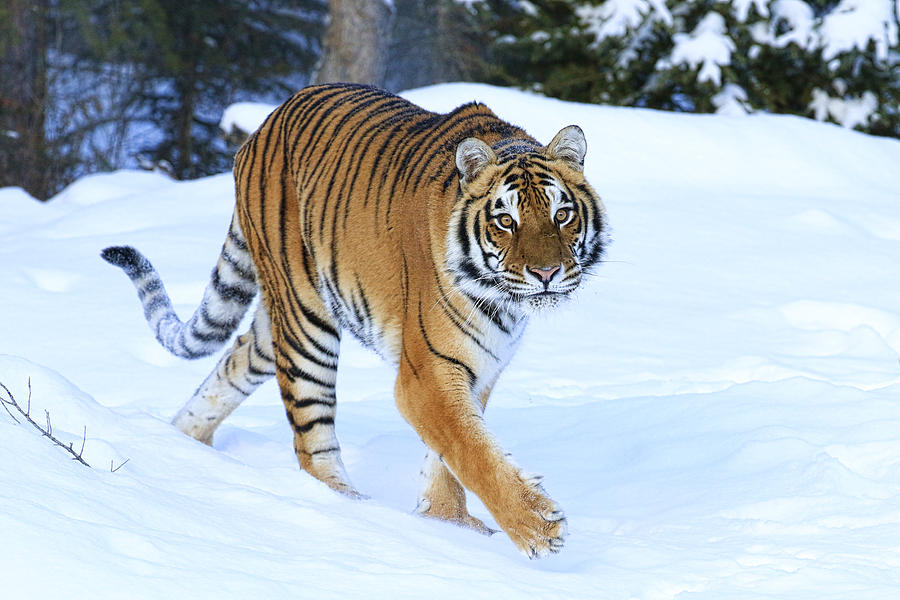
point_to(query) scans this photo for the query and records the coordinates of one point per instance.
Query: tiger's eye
(505, 221)
(562, 215)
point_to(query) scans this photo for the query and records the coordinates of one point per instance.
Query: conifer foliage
(197, 57)
(836, 60)
(89, 85)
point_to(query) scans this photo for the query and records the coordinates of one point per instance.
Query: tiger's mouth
(536, 301)
(543, 300)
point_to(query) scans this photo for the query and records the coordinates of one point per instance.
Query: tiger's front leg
(442, 496)
(433, 395)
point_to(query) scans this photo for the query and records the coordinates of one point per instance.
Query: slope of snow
(717, 411)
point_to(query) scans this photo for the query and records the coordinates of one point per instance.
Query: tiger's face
(527, 225)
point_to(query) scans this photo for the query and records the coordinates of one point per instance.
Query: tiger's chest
(503, 347)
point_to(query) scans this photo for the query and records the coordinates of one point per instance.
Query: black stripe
(260, 352)
(294, 372)
(235, 386)
(242, 271)
(323, 451)
(409, 362)
(154, 285)
(469, 372)
(468, 269)
(237, 240)
(231, 292)
(462, 234)
(228, 324)
(470, 335)
(308, 104)
(158, 302)
(404, 290)
(446, 298)
(492, 315)
(258, 372)
(299, 326)
(307, 402)
(211, 336)
(318, 322)
(306, 428)
(299, 349)
(367, 310)
(408, 148)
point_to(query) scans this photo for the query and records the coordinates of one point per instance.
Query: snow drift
(717, 411)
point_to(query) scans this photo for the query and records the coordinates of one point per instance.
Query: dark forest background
(93, 85)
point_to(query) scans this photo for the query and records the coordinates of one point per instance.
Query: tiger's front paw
(536, 524)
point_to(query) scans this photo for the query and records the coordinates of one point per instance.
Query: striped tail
(229, 293)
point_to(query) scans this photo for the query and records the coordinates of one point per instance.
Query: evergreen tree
(82, 82)
(41, 138)
(191, 59)
(831, 59)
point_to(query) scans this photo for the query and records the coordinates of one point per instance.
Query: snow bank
(245, 116)
(717, 411)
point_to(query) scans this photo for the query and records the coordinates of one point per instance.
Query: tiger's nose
(544, 274)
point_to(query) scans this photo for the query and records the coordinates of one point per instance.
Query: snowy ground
(718, 412)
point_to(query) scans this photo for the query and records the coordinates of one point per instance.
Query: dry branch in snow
(48, 431)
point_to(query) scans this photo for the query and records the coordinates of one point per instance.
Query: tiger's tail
(227, 297)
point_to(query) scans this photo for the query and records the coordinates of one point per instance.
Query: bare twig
(6, 408)
(112, 470)
(48, 432)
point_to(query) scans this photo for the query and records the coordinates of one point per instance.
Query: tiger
(430, 237)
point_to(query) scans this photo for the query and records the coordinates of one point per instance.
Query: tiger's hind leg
(244, 367)
(306, 343)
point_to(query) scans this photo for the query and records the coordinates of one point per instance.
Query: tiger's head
(527, 225)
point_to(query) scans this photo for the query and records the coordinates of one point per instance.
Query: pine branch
(46, 432)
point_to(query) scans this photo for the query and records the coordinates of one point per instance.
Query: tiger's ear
(569, 145)
(472, 156)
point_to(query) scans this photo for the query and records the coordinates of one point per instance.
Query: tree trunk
(356, 42)
(182, 165)
(23, 98)
(433, 41)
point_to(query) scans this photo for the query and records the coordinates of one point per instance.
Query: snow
(731, 101)
(848, 112)
(244, 116)
(717, 411)
(707, 46)
(741, 8)
(800, 21)
(614, 18)
(854, 23)
(848, 26)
